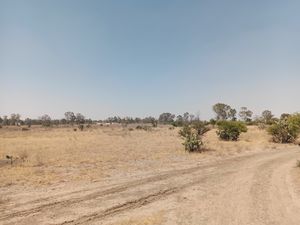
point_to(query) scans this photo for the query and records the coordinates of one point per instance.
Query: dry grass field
(123, 176)
(44, 156)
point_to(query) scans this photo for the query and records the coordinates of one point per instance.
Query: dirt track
(249, 189)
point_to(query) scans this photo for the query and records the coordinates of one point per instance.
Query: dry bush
(23, 155)
(145, 128)
(39, 161)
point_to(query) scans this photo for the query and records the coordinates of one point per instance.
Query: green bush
(185, 131)
(286, 130)
(230, 130)
(193, 143)
(193, 136)
(200, 127)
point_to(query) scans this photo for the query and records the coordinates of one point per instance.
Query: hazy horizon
(142, 58)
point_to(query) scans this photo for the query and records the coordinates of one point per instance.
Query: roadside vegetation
(192, 134)
(285, 130)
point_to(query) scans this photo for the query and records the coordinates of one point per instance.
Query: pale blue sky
(139, 58)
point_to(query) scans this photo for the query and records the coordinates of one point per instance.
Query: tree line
(222, 111)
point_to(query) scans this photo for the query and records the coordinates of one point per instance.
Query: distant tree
(89, 121)
(79, 118)
(70, 117)
(186, 117)
(28, 122)
(245, 114)
(166, 118)
(63, 121)
(137, 120)
(267, 116)
(5, 121)
(46, 120)
(232, 114)
(192, 117)
(284, 116)
(1, 120)
(151, 120)
(224, 112)
(14, 119)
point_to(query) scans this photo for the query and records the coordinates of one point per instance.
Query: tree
(79, 118)
(5, 121)
(14, 119)
(46, 120)
(151, 120)
(224, 112)
(285, 116)
(267, 116)
(186, 117)
(1, 120)
(166, 118)
(232, 114)
(245, 114)
(70, 117)
(27, 122)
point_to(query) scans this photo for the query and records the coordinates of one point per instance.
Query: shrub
(200, 127)
(230, 130)
(286, 130)
(145, 128)
(185, 131)
(80, 127)
(192, 143)
(193, 137)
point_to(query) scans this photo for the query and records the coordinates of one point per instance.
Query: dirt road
(248, 189)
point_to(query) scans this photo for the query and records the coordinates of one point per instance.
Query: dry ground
(111, 175)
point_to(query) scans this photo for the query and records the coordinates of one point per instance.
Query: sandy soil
(248, 182)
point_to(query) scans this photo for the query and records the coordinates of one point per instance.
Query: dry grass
(55, 155)
(153, 219)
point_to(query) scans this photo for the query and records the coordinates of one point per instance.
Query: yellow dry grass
(153, 219)
(55, 155)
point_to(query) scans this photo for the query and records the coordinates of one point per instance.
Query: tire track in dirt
(115, 189)
(97, 194)
(137, 203)
(209, 171)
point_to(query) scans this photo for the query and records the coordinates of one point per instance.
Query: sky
(139, 57)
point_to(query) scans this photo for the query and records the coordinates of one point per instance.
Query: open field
(116, 175)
